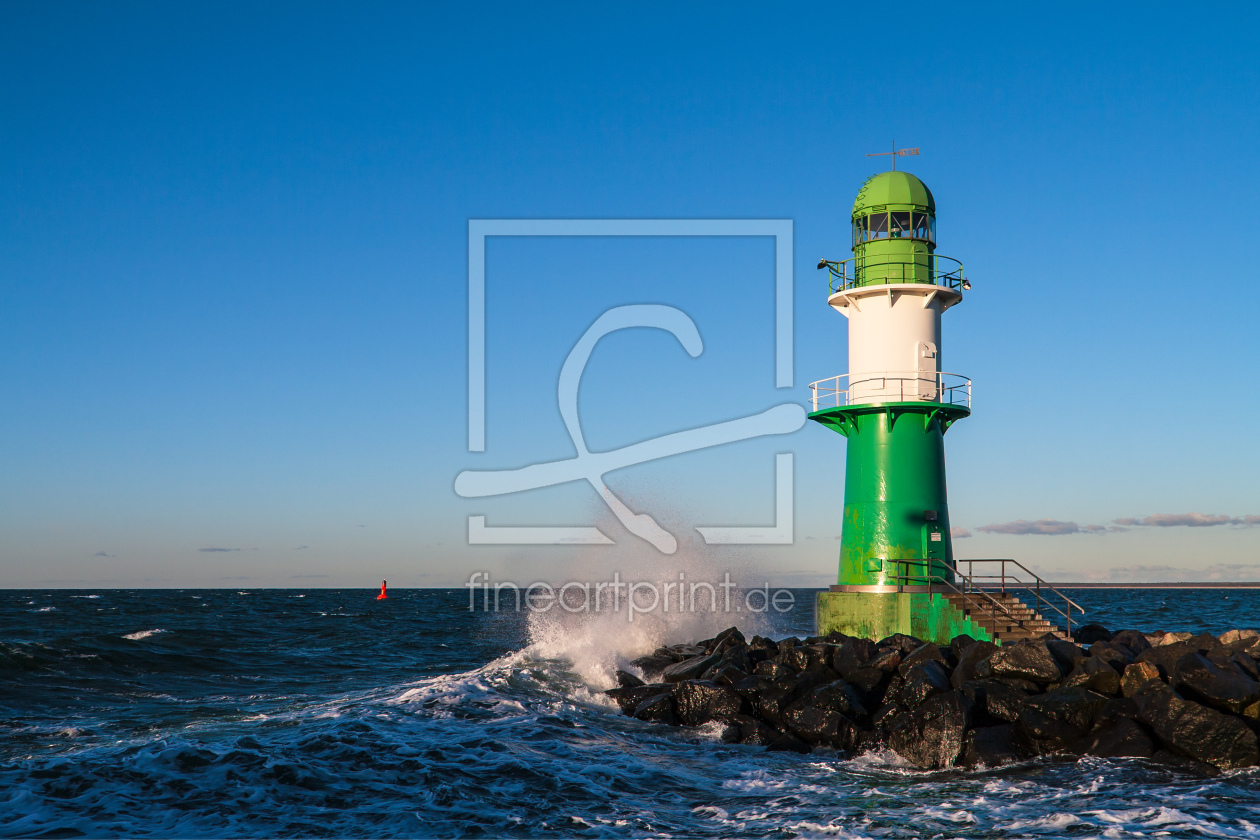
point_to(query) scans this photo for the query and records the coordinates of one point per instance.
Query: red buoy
(382, 596)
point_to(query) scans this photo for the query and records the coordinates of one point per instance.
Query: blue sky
(233, 278)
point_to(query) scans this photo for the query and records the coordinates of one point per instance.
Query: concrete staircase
(1019, 621)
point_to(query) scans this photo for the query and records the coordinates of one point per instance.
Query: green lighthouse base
(876, 615)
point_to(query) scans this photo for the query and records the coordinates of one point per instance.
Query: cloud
(218, 549)
(1094, 529)
(1047, 527)
(102, 554)
(309, 576)
(959, 533)
(301, 547)
(1188, 520)
(1247, 520)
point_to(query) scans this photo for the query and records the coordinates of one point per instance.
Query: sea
(327, 713)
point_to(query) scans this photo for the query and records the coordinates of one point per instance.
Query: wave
(143, 634)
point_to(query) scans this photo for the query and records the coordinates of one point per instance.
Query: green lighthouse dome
(893, 191)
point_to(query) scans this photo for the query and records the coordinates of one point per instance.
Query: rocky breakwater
(1187, 700)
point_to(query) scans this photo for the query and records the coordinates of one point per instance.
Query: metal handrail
(846, 274)
(1033, 586)
(946, 388)
(972, 588)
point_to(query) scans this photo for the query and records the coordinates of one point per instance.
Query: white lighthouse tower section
(894, 340)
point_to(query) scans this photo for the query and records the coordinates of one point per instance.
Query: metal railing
(975, 588)
(891, 386)
(936, 269)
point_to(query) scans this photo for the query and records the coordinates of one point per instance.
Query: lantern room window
(900, 225)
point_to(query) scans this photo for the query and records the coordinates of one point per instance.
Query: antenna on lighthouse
(896, 153)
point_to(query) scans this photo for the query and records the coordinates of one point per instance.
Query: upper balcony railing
(891, 386)
(881, 269)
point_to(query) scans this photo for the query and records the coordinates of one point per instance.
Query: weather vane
(896, 153)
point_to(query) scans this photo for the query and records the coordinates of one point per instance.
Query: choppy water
(326, 713)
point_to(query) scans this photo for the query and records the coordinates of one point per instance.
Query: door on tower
(926, 384)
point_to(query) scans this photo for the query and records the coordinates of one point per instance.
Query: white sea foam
(143, 634)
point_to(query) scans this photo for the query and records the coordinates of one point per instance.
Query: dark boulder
(886, 660)
(995, 700)
(1112, 656)
(788, 643)
(774, 672)
(629, 698)
(931, 736)
(753, 732)
(625, 679)
(699, 702)
(1053, 721)
(968, 659)
(1215, 682)
(787, 742)
(689, 669)
(814, 725)
(922, 681)
(1195, 730)
(727, 638)
(772, 703)
(1136, 676)
(838, 696)
(1027, 659)
(900, 642)
(1119, 738)
(1096, 675)
(851, 655)
(989, 746)
(1087, 634)
(660, 709)
(724, 674)
(871, 683)
(958, 644)
(1131, 639)
(1165, 657)
(925, 653)
(653, 664)
(1066, 655)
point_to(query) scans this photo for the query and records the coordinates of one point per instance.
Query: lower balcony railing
(891, 386)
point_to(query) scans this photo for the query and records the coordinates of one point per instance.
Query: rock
(922, 681)
(1183, 764)
(1115, 658)
(724, 674)
(838, 696)
(1230, 637)
(625, 679)
(659, 709)
(629, 698)
(1216, 682)
(652, 665)
(1026, 686)
(1165, 657)
(814, 725)
(689, 669)
(900, 642)
(699, 702)
(989, 746)
(931, 736)
(925, 653)
(851, 655)
(1096, 675)
(786, 742)
(727, 638)
(958, 644)
(1195, 730)
(1136, 676)
(871, 683)
(788, 643)
(1087, 634)
(774, 672)
(968, 659)
(1173, 638)
(1246, 664)
(1066, 655)
(1131, 639)
(753, 732)
(762, 643)
(772, 703)
(887, 660)
(1120, 738)
(994, 699)
(1026, 659)
(1051, 722)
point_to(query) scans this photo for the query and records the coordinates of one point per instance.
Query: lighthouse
(894, 406)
